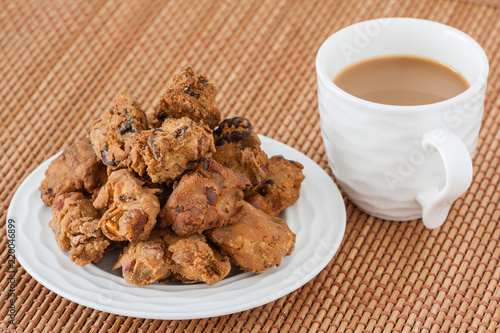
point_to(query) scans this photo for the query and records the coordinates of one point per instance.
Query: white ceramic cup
(402, 162)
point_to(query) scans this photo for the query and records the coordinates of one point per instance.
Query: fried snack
(238, 148)
(195, 260)
(153, 122)
(131, 207)
(209, 197)
(187, 193)
(167, 257)
(175, 147)
(76, 224)
(280, 189)
(114, 135)
(144, 262)
(76, 169)
(189, 96)
(257, 242)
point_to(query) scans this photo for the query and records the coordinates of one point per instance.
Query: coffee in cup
(401, 80)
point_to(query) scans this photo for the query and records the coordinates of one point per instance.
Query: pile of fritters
(183, 194)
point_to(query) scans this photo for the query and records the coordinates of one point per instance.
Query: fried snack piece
(153, 122)
(76, 224)
(76, 169)
(144, 262)
(281, 187)
(209, 197)
(175, 147)
(132, 208)
(114, 136)
(190, 96)
(195, 260)
(167, 257)
(238, 148)
(257, 242)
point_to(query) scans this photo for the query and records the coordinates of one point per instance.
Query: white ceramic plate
(318, 218)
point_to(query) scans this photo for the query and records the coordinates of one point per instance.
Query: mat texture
(62, 62)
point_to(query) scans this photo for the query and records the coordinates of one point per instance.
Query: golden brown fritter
(131, 208)
(190, 96)
(280, 189)
(257, 242)
(114, 135)
(168, 257)
(209, 197)
(238, 148)
(173, 148)
(76, 224)
(144, 262)
(195, 260)
(76, 169)
(153, 122)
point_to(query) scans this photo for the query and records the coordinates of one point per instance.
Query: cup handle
(458, 172)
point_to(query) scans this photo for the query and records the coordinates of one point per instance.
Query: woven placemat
(62, 62)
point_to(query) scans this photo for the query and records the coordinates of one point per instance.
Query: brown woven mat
(62, 62)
